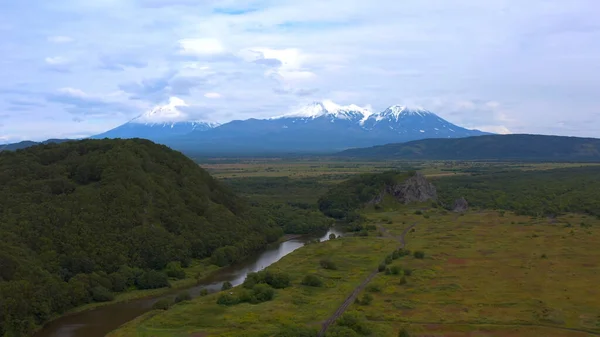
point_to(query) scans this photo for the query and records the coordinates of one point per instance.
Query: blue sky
(72, 68)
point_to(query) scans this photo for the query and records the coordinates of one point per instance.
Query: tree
(226, 285)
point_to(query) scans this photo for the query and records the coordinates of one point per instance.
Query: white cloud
(212, 95)
(57, 60)
(476, 63)
(203, 46)
(499, 129)
(60, 39)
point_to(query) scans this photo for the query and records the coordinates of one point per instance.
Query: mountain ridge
(486, 147)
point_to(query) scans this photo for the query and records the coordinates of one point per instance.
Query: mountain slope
(502, 147)
(28, 143)
(407, 123)
(160, 123)
(82, 219)
(319, 127)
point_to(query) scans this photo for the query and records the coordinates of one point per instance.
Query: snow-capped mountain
(330, 110)
(317, 127)
(159, 123)
(321, 127)
(415, 123)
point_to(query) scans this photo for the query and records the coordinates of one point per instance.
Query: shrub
(183, 296)
(395, 270)
(101, 294)
(332, 236)
(544, 256)
(407, 272)
(204, 292)
(388, 259)
(296, 331)
(262, 293)
(395, 255)
(328, 264)
(228, 299)
(419, 254)
(174, 270)
(418, 212)
(403, 333)
(363, 233)
(226, 285)
(355, 322)
(366, 299)
(277, 280)
(388, 271)
(252, 279)
(341, 331)
(162, 304)
(381, 267)
(312, 281)
(373, 288)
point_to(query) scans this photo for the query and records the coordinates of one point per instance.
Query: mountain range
(319, 127)
(520, 147)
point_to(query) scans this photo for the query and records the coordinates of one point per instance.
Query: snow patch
(329, 108)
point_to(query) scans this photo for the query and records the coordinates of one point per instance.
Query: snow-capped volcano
(317, 127)
(329, 109)
(161, 122)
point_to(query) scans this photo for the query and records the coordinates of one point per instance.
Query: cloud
(121, 62)
(200, 47)
(499, 129)
(476, 63)
(79, 102)
(58, 64)
(60, 39)
(212, 95)
(57, 60)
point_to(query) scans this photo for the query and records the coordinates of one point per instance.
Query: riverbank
(354, 258)
(98, 319)
(481, 272)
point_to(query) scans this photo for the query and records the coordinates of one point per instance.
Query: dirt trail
(350, 299)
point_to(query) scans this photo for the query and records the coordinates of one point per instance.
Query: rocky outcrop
(414, 189)
(460, 205)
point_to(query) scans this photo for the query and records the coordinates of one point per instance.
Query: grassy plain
(488, 274)
(355, 258)
(484, 274)
(319, 167)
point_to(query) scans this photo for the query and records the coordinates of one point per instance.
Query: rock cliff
(415, 189)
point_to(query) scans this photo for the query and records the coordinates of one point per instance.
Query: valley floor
(484, 274)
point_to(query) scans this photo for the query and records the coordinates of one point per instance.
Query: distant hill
(27, 143)
(84, 219)
(489, 147)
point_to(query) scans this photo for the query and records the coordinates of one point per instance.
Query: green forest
(343, 200)
(536, 193)
(82, 220)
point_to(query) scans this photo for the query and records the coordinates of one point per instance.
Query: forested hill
(82, 220)
(494, 147)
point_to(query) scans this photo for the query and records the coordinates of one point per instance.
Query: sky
(74, 68)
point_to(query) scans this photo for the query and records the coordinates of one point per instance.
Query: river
(100, 321)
